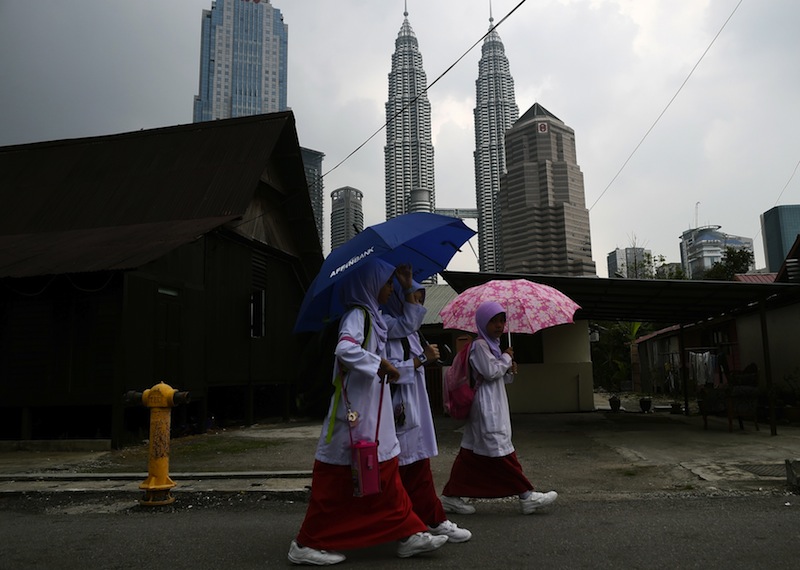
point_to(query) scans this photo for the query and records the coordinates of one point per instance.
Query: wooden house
(177, 254)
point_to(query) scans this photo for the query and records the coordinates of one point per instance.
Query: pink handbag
(364, 461)
(366, 471)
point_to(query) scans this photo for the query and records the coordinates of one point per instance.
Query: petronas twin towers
(495, 112)
(409, 165)
(408, 154)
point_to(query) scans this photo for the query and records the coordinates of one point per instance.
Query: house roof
(755, 277)
(436, 298)
(119, 201)
(649, 300)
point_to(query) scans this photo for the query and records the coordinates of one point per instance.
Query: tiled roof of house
(755, 277)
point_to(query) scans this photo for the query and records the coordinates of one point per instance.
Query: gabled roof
(119, 201)
(649, 300)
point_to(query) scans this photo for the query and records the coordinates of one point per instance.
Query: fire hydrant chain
(161, 398)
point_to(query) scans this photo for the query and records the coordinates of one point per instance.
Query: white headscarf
(394, 306)
(362, 288)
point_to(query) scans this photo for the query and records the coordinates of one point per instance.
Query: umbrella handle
(424, 342)
(509, 344)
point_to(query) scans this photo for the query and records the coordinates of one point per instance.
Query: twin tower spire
(409, 154)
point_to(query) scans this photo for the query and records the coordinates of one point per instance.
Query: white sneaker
(305, 555)
(456, 505)
(537, 501)
(419, 543)
(451, 531)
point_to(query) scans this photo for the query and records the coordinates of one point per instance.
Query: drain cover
(761, 470)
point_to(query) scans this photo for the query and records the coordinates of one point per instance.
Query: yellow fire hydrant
(161, 398)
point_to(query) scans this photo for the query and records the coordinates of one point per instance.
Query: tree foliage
(611, 354)
(733, 261)
(664, 270)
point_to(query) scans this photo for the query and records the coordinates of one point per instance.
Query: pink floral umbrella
(530, 307)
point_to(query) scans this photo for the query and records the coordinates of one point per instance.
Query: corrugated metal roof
(649, 300)
(436, 298)
(119, 201)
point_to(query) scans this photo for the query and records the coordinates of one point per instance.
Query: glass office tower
(780, 227)
(243, 60)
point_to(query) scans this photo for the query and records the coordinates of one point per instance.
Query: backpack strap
(406, 356)
(473, 375)
(341, 371)
(406, 348)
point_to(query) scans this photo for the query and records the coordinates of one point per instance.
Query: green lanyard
(339, 379)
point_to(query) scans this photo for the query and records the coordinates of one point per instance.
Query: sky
(671, 134)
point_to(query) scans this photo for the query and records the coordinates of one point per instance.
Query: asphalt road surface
(747, 531)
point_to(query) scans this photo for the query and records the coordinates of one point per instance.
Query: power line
(424, 91)
(785, 186)
(778, 199)
(685, 81)
(414, 100)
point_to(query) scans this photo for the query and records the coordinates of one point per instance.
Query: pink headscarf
(485, 313)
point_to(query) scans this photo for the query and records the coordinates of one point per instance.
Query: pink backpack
(459, 388)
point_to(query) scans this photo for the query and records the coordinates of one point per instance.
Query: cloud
(607, 68)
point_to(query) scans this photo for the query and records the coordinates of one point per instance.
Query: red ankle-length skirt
(480, 476)
(418, 481)
(336, 520)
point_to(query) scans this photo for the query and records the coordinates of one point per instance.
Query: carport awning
(649, 300)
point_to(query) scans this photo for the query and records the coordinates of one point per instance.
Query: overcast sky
(723, 152)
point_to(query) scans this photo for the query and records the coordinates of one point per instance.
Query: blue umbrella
(425, 241)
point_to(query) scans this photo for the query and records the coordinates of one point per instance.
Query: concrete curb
(140, 476)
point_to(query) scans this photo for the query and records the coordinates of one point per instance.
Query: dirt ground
(584, 454)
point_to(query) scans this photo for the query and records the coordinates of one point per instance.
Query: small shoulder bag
(364, 460)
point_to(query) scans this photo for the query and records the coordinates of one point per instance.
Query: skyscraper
(779, 229)
(702, 247)
(408, 154)
(545, 223)
(312, 164)
(243, 60)
(495, 111)
(347, 215)
(630, 263)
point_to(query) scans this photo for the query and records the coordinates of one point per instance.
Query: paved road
(678, 531)
(636, 491)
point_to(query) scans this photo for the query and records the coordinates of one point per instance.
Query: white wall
(564, 382)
